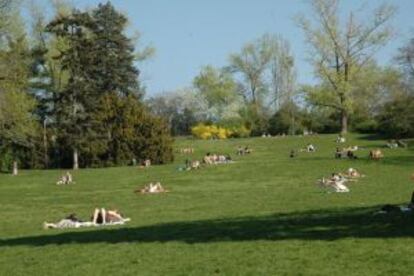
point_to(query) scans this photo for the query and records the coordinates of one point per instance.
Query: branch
(326, 74)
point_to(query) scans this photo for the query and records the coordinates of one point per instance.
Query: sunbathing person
(100, 217)
(340, 139)
(376, 154)
(350, 154)
(192, 165)
(338, 153)
(353, 173)
(392, 144)
(336, 182)
(195, 165)
(70, 221)
(65, 179)
(152, 189)
(310, 148)
(146, 163)
(187, 150)
(207, 159)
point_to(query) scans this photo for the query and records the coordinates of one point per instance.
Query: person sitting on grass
(292, 154)
(310, 148)
(65, 179)
(350, 154)
(338, 153)
(340, 139)
(192, 165)
(146, 163)
(247, 150)
(376, 154)
(195, 165)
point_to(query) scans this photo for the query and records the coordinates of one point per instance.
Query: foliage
(405, 59)
(217, 88)
(288, 120)
(341, 51)
(98, 114)
(17, 123)
(203, 131)
(396, 118)
(181, 109)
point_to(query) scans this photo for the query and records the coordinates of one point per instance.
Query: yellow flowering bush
(202, 131)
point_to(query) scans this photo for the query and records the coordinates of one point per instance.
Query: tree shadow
(372, 136)
(399, 160)
(312, 225)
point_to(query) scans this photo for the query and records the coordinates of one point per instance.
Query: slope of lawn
(262, 215)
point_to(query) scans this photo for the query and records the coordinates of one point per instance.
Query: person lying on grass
(152, 189)
(188, 150)
(346, 152)
(336, 182)
(212, 159)
(308, 148)
(353, 173)
(392, 144)
(99, 217)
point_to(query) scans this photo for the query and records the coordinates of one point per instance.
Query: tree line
(259, 89)
(70, 94)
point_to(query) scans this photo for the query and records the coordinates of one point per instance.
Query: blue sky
(188, 34)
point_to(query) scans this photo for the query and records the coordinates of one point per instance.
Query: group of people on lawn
(336, 182)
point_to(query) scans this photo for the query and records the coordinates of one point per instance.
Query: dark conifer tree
(75, 105)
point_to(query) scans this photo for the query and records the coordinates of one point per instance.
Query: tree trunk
(15, 168)
(344, 122)
(46, 155)
(75, 159)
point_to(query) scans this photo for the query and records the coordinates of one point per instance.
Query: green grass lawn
(262, 215)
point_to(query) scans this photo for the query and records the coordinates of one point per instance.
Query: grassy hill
(262, 215)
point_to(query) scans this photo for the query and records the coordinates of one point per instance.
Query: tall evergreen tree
(93, 111)
(75, 105)
(115, 70)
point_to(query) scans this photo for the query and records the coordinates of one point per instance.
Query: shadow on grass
(312, 225)
(372, 137)
(399, 160)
